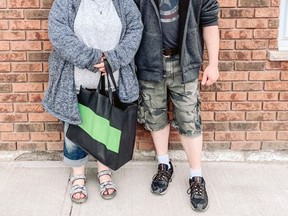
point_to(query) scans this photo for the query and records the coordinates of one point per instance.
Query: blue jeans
(74, 156)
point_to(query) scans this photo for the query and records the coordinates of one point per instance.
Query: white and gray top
(98, 25)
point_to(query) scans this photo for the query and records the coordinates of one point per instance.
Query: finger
(100, 65)
(204, 79)
(210, 82)
(102, 70)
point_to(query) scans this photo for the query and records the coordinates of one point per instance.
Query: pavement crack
(71, 210)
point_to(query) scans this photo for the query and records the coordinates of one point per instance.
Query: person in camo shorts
(168, 63)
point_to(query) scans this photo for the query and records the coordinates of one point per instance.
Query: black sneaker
(198, 194)
(161, 179)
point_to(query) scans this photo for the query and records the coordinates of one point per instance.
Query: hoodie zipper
(160, 25)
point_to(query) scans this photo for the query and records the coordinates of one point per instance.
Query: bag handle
(101, 85)
(110, 73)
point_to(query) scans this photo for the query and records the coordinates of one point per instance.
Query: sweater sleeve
(209, 13)
(65, 42)
(126, 49)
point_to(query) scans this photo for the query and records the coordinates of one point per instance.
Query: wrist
(213, 63)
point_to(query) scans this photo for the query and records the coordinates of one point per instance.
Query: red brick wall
(245, 110)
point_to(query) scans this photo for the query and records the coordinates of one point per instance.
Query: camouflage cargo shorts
(153, 106)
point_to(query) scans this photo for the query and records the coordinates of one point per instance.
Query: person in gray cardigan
(83, 34)
(168, 63)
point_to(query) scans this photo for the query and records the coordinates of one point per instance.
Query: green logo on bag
(100, 131)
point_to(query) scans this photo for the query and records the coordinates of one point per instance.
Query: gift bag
(108, 126)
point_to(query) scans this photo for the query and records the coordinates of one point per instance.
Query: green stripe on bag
(102, 132)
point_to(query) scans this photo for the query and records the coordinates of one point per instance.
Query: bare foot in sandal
(78, 191)
(107, 187)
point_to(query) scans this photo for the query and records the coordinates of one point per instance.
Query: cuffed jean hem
(75, 163)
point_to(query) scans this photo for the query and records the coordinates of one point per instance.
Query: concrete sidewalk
(235, 189)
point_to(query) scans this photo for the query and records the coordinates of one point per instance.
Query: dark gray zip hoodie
(193, 16)
(60, 98)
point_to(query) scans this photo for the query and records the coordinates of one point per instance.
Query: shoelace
(162, 175)
(196, 188)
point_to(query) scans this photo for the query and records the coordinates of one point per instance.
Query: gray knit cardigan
(60, 98)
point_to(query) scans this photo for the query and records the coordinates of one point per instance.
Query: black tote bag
(108, 126)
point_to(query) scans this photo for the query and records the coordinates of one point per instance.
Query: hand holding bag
(108, 126)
